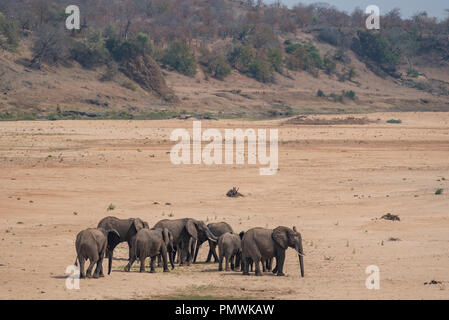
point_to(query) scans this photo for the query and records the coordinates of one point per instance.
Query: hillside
(78, 86)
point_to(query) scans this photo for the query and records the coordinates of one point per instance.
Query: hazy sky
(408, 7)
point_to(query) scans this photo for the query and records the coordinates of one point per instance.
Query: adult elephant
(183, 230)
(218, 229)
(126, 228)
(259, 244)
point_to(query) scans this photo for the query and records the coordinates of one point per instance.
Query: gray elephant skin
(218, 229)
(260, 244)
(230, 249)
(93, 244)
(126, 228)
(151, 243)
(183, 230)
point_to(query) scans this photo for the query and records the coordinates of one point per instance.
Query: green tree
(180, 57)
(8, 34)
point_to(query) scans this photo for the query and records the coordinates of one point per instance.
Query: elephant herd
(182, 238)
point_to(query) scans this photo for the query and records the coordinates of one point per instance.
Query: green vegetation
(303, 57)
(439, 191)
(8, 34)
(215, 64)
(180, 57)
(111, 207)
(394, 121)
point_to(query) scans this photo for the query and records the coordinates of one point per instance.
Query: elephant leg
(269, 264)
(82, 274)
(170, 256)
(91, 266)
(264, 262)
(280, 263)
(98, 268)
(101, 274)
(158, 260)
(142, 264)
(257, 266)
(214, 252)
(232, 263)
(165, 258)
(198, 245)
(129, 250)
(227, 262)
(220, 262)
(152, 270)
(245, 268)
(275, 270)
(130, 263)
(209, 255)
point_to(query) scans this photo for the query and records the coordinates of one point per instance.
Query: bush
(394, 121)
(180, 57)
(8, 34)
(215, 64)
(349, 94)
(439, 191)
(329, 64)
(128, 49)
(412, 73)
(305, 57)
(241, 57)
(373, 46)
(91, 51)
(320, 93)
(261, 71)
(51, 45)
(274, 57)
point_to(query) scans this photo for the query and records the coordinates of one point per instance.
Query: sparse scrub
(439, 191)
(394, 121)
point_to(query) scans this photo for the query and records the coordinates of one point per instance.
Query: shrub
(329, 64)
(8, 34)
(241, 57)
(320, 93)
(129, 85)
(50, 45)
(180, 57)
(215, 64)
(305, 57)
(349, 94)
(261, 71)
(439, 191)
(373, 46)
(274, 57)
(394, 121)
(128, 49)
(91, 51)
(412, 73)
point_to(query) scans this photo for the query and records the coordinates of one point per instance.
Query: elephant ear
(138, 224)
(191, 229)
(146, 225)
(113, 239)
(280, 237)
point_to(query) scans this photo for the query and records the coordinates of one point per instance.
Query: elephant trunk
(301, 265)
(109, 261)
(301, 259)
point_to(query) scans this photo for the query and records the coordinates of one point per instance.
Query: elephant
(217, 228)
(94, 244)
(182, 231)
(230, 248)
(260, 244)
(126, 228)
(151, 243)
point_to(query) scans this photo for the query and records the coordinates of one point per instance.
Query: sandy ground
(57, 178)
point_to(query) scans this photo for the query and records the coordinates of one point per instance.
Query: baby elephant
(151, 243)
(92, 244)
(230, 248)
